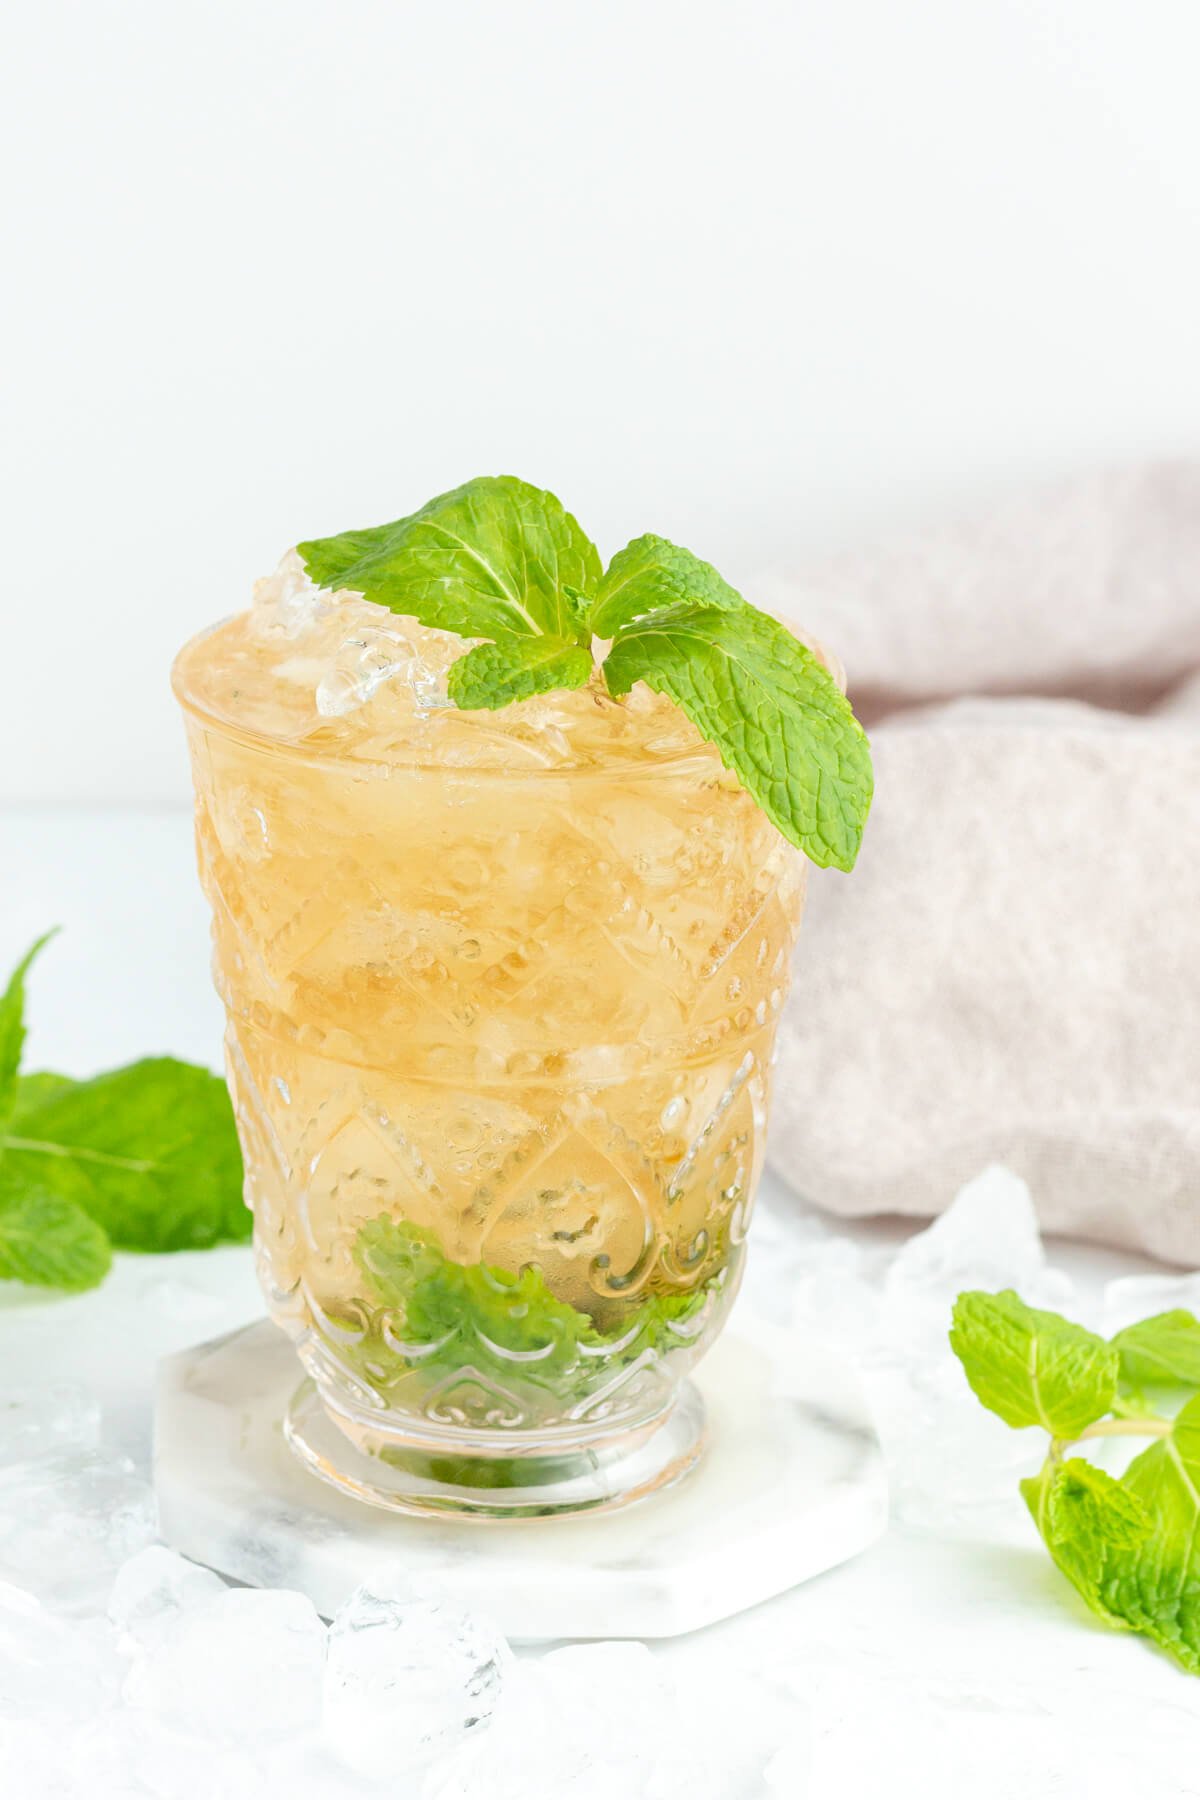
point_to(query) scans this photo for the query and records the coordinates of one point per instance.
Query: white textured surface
(950, 1658)
(791, 1484)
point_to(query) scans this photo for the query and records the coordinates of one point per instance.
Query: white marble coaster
(792, 1483)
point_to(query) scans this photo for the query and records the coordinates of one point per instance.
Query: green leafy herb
(496, 558)
(451, 1314)
(145, 1157)
(773, 712)
(1162, 1352)
(48, 1241)
(1130, 1546)
(492, 675)
(12, 1027)
(1033, 1368)
(500, 560)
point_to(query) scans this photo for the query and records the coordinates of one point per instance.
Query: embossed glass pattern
(499, 1044)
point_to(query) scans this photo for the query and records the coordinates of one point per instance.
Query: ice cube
(406, 1679)
(987, 1238)
(1135, 1297)
(68, 1521)
(51, 1667)
(288, 603)
(154, 1588)
(242, 1667)
(542, 1744)
(373, 654)
(35, 1421)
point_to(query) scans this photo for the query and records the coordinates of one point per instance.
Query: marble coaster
(792, 1483)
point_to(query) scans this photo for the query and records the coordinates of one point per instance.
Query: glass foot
(405, 1478)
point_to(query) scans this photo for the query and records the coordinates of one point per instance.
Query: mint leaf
(149, 1151)
(494, 558)
(1031, 1367)
(492, 675)
(1154, 1586)
(651, 574)
(33, 1089)
(455, 1314)
(1161, 1352)
(774, 713)
(48, 1241)
(1086, 1520)
(12, 1027)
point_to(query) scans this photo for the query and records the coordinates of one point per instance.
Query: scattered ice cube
(35, 1421)
(50, 1667)
(244, 1666)
(68, 1521)
(1135, 1297)
(406, 1679)
(154, 1588)
(542, 1744)
(987, 1238)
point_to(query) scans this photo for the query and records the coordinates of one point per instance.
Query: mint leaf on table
(494, 558)
(774, 713)
(1031, 1367)
(12, 1027)
(458, 1313)
(148, 1151)
(49, 1241)
(1162, 1352)
(492, 675)
(1129, 1545)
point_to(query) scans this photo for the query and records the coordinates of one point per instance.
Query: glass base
(408, 1478)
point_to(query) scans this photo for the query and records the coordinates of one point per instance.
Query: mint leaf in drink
(493, 675)
(148, 1151)
(773, 712)
(1031, 1367)
(651, 574)
(454, 1315)
(494, 558)
(49, 1241)
(12, 1027)
(1161, 1353)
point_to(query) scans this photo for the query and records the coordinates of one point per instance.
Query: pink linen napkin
(1012, 972)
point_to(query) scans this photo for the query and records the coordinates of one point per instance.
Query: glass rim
(640, 768)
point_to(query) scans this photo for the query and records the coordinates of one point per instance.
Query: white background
(764, 277)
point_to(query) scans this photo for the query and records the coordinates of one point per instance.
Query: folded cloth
(1012, 972)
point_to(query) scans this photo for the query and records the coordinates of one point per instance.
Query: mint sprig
(143, 1157)
(500, 560)
(1130, 1546)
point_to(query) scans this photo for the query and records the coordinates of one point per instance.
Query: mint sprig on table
(144, 1157)
(500, 560)
(1129, 1545)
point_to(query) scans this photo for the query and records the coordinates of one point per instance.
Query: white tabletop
(950, 1659)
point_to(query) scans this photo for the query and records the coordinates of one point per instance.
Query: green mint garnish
(500, 560)
(1130, 1546)
(144, 1157)
(475, 1313)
